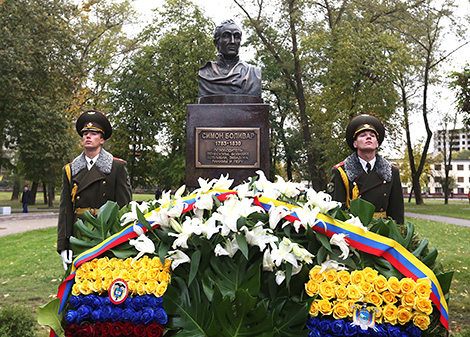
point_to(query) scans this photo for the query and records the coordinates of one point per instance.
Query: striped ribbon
(367, 242)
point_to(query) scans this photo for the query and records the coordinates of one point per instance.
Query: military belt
(93, 211)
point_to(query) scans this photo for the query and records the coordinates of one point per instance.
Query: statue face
(229, 41)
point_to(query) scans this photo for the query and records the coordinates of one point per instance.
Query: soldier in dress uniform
(90, 180)
(366, 174)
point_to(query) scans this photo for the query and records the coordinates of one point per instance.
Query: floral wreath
(261, 259)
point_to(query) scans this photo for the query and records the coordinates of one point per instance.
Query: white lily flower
(223, 183)
(302, 253)
(177, 257)
(205, 201)
(280, 276)
(331, 264)
(259, 236)
(143, 244)
(276, 213)
(205, 186)
(244, 191)
(232, 210)
(177, 209)
(180, 192)
(289, 189)
(165, 199)
(355, 221)
(306, 216)
(267, 187)
(209, 228)
(231, 248)
(339, 240)
(160, 217)
(283, 253)
(321, 200)
(190, 226)
(268, 263)
(132, 215)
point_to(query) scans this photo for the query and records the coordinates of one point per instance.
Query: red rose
(71, 330)
(106, 329)
(116, 329)
(154, 330)
(86, 330)
(127, 328)
(140, 331)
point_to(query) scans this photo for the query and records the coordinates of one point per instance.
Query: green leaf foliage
(48, 315)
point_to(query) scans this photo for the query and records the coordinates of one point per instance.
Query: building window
(460, 179)
(459, 167)
(449, 167)
(439, 190)
(460, 190)
(437, 167)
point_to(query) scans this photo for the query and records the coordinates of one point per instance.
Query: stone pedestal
(226, 138)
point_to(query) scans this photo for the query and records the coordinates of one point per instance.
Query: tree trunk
(44, 192)
(16, 190)
(50, 193)
(34, 190)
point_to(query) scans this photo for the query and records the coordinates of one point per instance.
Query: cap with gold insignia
(364, 122)
(94, 120)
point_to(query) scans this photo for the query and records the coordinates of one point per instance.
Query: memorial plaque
(227, 147)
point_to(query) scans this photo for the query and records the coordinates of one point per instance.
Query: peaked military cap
(364, 122)
(94, 120)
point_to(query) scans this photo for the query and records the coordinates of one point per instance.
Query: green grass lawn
(455, 209)
(31, 270)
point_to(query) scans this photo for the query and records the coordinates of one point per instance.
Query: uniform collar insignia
(103, 163)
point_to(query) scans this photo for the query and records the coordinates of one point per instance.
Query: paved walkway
(22, 222)
(445, 219)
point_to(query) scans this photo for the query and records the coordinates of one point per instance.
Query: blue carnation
(76, 301)
(312, 322)
(97, 315)
(337, 327)
(84, 312)
(160, 316)
(324, 326)
(72, 316)
(413, 331)
(350, 329)
(314, 333)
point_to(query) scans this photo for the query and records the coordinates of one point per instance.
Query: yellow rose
(113, 263)
(375, 298)
(86, 287)
(370, 274)
(115, 273)
(127, 263)
(136, 265)
(394, 285)
(152, 274)
(404, 315)
(106, 284)
(389, 298)
(423, 288)
(125, 275)
(340, 310)
(141, 288)
(103, 263)
(134, 275)
(88, 275)
(85, 267)
(151, 286)
(161, 289)
(422, 321)
(97, 286)
(341, 292)
(331, 276)
(314, 274)
(354, 293)
(407, 285)
(350, 306)
(145, 263)
(327, 290)
(167, 265)
(379, 315)
(390, 313)
(380, 283)
(76, 289)
(365, 288)
(424, 305)
(325, 307)
(408, 300)
(313, 312)
(157, 263)
(311, 288)
(132, 285)
(142, 275)
(164, 276)
(94, 264)
(106, 274)
(344, 277)
(357, 276)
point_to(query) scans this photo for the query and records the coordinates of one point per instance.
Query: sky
(441, 98)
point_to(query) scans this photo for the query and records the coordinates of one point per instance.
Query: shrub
(16, 321)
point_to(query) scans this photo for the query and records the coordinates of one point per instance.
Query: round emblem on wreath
(118, 291)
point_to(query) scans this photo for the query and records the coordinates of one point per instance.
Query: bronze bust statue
(229, 75)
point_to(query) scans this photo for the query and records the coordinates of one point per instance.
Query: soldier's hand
(66, 255)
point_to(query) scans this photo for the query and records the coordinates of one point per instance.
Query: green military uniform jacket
(381, 187)
(106, 180)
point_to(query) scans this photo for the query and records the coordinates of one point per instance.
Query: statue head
(227, 39)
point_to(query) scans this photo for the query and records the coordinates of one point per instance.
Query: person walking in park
(90, 180)
(365, 174)
(26, 199)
